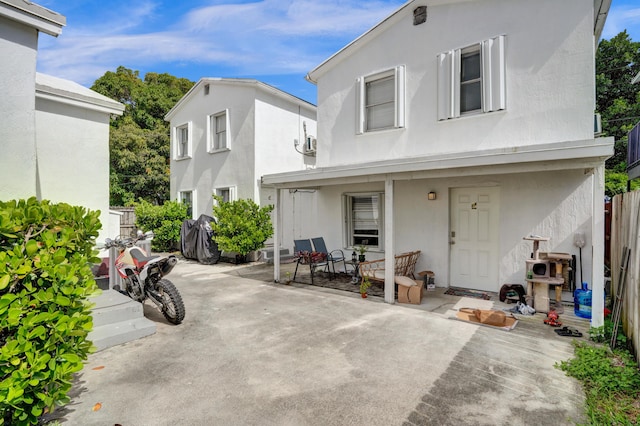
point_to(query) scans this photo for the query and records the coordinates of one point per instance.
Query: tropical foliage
(618, 101)
(139, 143)
(241, 226)
(45, 279)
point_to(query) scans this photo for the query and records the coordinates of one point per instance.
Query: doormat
(454, 291)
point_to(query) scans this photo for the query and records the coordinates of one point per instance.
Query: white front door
(473, 238)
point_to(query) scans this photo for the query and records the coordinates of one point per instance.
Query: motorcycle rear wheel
(173, 306)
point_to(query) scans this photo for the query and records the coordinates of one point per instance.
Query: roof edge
(34, 15)
(237, 81)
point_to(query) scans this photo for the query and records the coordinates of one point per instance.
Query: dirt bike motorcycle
(143, 276)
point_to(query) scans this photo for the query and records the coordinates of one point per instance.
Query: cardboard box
(412, 294)
(466, 314)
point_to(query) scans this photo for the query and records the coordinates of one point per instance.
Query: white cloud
(621, 18)
(262, 37)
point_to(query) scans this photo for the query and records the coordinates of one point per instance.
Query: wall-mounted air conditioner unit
(309, 146)
(597, 124)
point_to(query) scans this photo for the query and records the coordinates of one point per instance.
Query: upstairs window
(380, 99)
(182, 141)
(218, 135)
(472, 79)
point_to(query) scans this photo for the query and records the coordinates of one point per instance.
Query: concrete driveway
(251, 352)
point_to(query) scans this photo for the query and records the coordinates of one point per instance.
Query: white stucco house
(226, 133)
(54, 133)
(458, 128)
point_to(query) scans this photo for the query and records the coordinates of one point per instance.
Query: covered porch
(529, 180)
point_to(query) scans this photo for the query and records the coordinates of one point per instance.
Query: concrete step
(267, 255)
(118, 319)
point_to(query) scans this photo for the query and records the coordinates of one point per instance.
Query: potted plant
(362, 250)
(364, 286)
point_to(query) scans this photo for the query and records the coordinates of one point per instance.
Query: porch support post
(277, 225)
(597, 247)
(389, 243)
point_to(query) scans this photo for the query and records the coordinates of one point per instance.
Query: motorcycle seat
(141, 257)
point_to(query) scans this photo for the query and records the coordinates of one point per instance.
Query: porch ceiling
(532, 158)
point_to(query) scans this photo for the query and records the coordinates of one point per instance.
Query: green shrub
(165, 221)
(241, 226)
(45, 278)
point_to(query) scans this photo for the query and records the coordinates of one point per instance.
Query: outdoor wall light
(431, 195)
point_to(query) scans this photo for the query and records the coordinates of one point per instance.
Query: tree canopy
(618, 101)
(139, 142)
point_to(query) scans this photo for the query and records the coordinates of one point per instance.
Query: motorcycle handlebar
(126, 242)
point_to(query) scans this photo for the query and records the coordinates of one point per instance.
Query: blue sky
(274, 41)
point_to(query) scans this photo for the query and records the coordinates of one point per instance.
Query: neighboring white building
(54, 133)
(489, 105)
(227, 133)
(72, 146)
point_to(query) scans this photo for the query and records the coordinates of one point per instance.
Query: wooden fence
(625, 233)
(127, 221)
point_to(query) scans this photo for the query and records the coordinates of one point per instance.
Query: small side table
(356, 270)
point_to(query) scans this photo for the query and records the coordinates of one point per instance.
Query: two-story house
(54, 133)
(458, 128)
(226, 133)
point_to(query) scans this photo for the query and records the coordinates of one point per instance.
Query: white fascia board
(636, 79)
(33, 15)
(555, 156)
(72, 93)
(78, 103)
(237, 82)
(600, 12)
(313, 75)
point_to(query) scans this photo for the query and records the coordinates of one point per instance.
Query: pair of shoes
(525, 309)
(568, 331)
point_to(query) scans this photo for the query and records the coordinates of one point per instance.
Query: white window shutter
(445, 86)
(400, 91)
(449, 85)
(493, 69)
(360, 112)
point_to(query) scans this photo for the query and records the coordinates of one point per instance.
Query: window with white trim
(472, 79)
(380, 101)
(186, 197)
(227, 194)
(182, 141)
(218, 135)
(364, 220)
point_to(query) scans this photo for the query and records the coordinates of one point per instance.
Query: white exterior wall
(205, 171)
(17, 110)
(556, 205)
(73, 157)
(549, 81)
(278, 124)
(263, 127)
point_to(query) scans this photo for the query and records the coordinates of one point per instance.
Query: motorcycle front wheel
(172, 305)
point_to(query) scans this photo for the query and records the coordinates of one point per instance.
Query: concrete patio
(253, 352)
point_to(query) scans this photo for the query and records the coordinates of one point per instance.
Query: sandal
(568, 331)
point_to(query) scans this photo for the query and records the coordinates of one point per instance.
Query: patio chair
(333, 256)
(307, 256)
